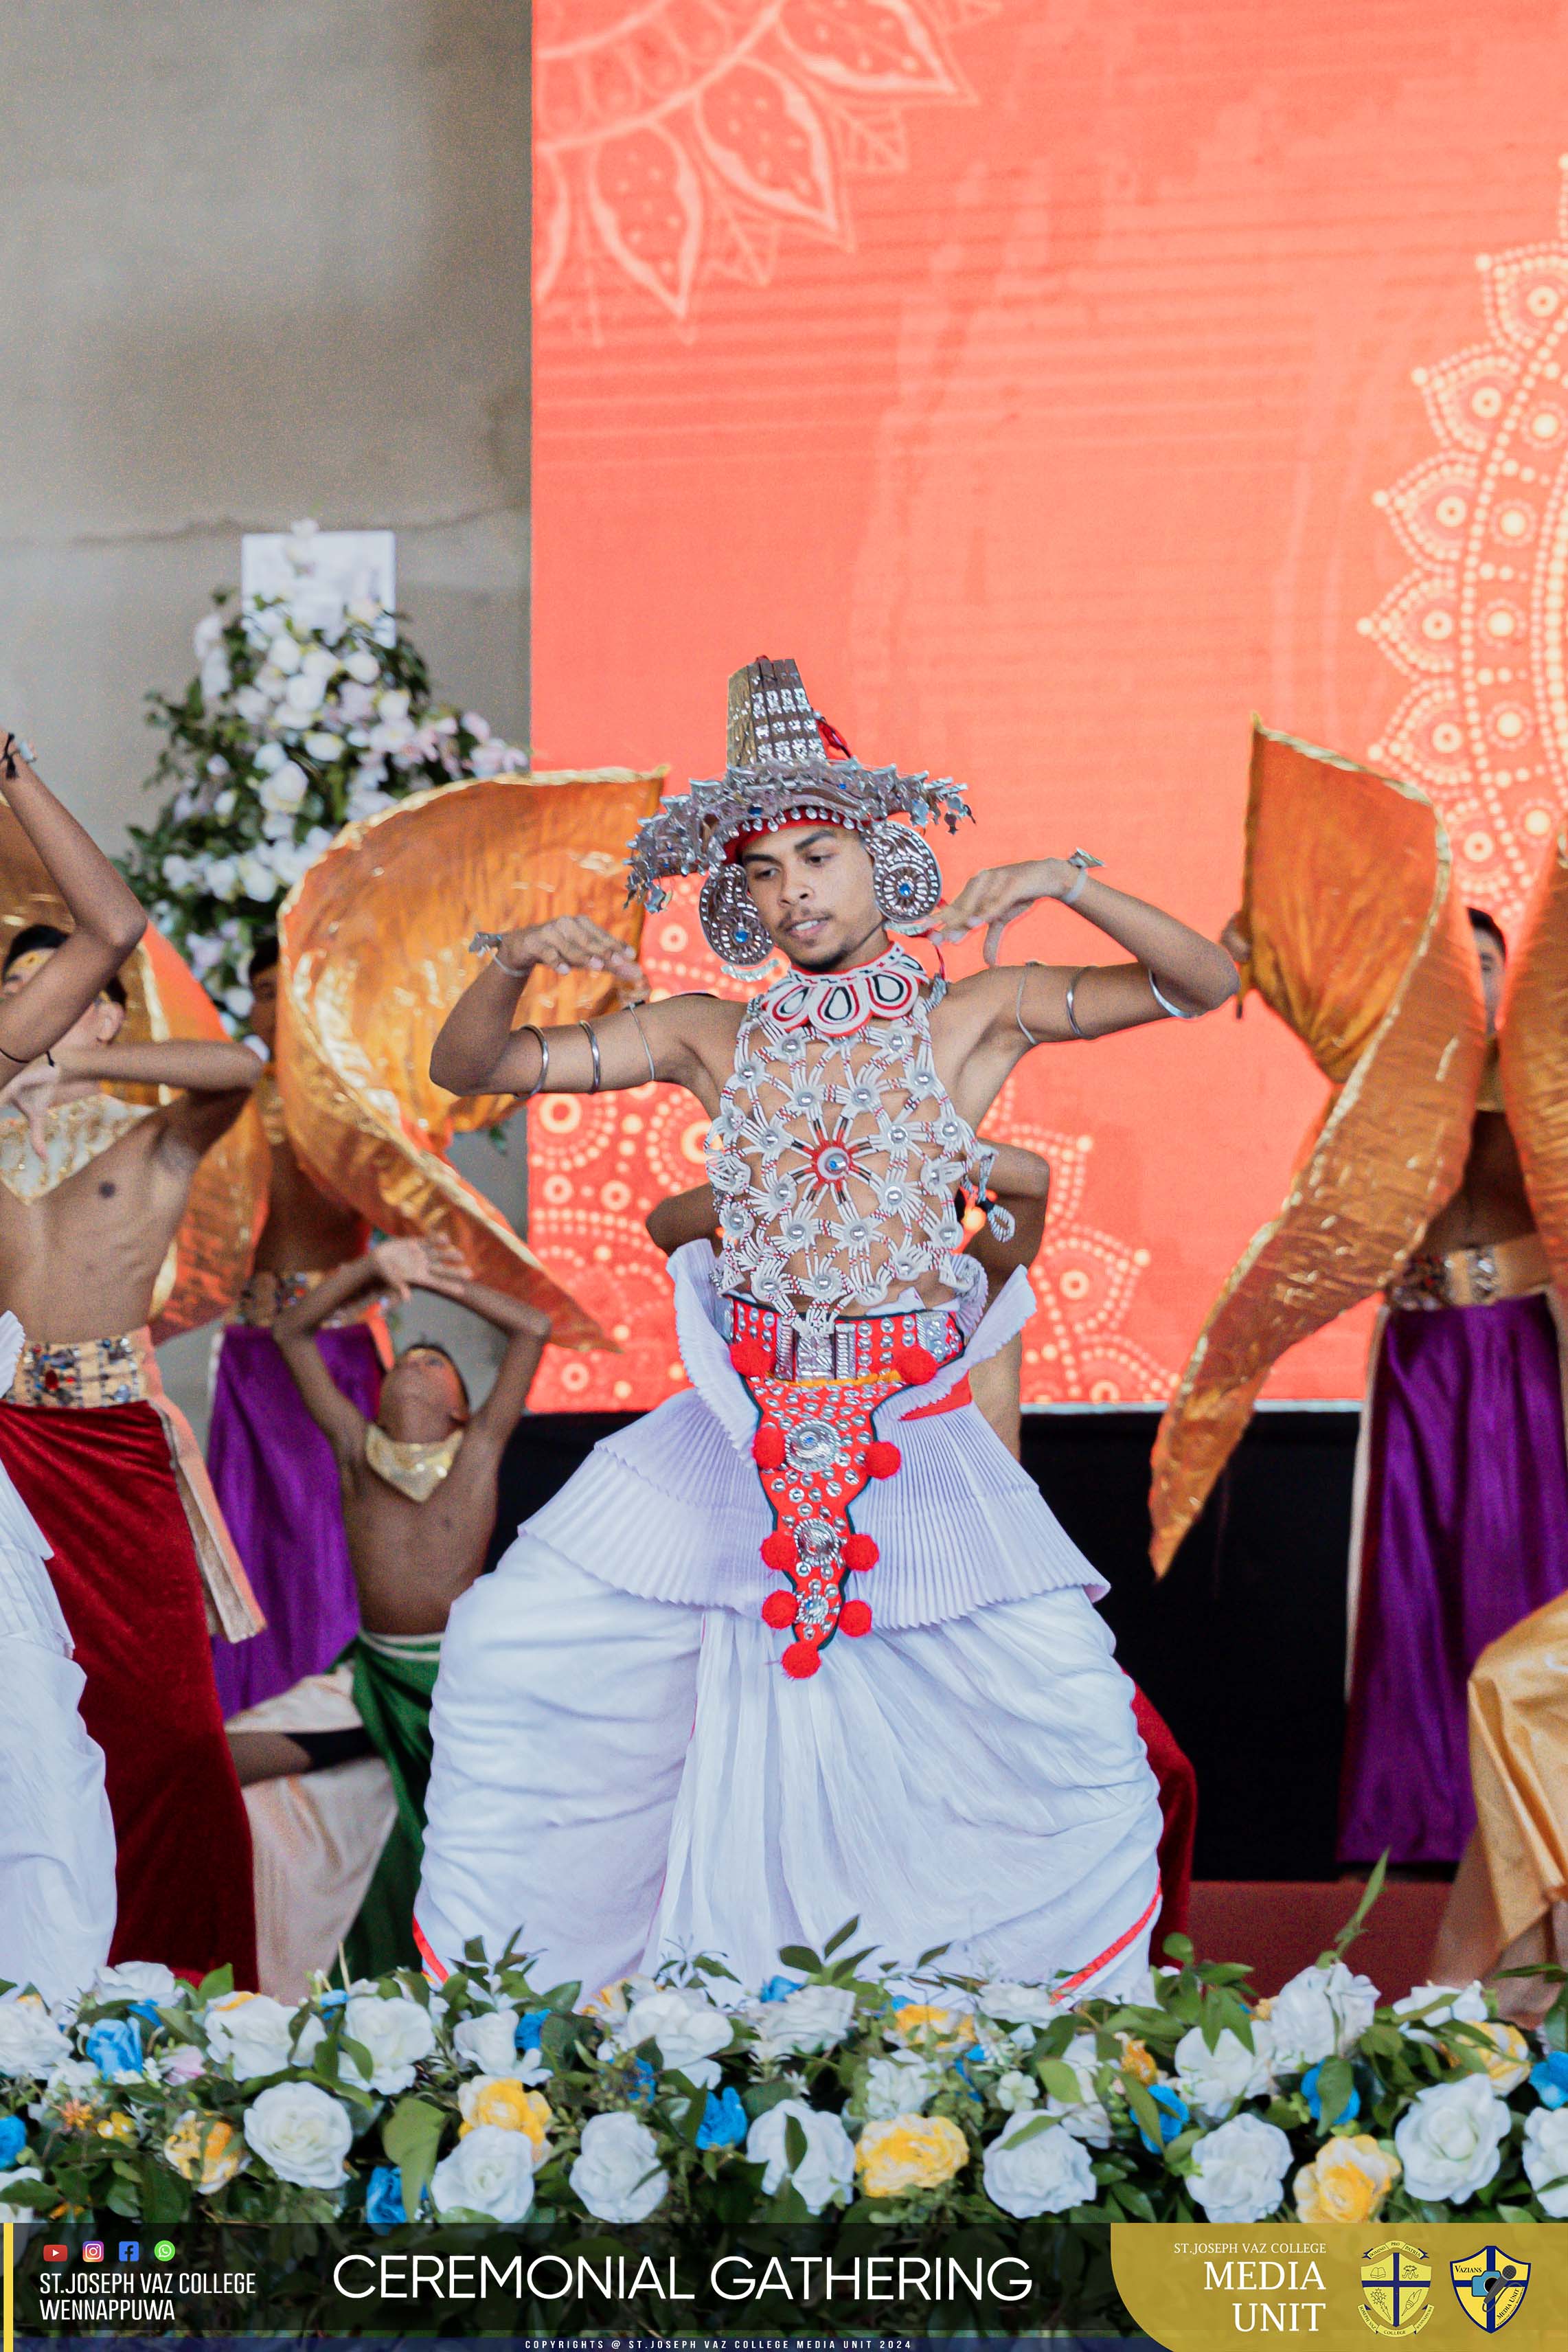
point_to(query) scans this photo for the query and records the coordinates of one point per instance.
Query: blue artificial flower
(725, 2123)
(148, 2009)
(13, 2140)
(778, 1989)
(1550, 2079)
(383, 2199)
(331, 2001)
(645, 2080)
(530, 2029)
(114, 2045)
(1175, 2115)
(1310, 2091)
(962, 2064)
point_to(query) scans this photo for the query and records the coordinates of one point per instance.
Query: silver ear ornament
(905, 875)
(731, 924)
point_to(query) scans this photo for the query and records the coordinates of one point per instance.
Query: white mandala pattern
(677, 140)
(1480, 624)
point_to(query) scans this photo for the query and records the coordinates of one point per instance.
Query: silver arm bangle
(642, 1033)
(531, 1029)
(1163, 1000)
(492, 939)
(1081, 859)
(1071, 996)
(1017, 1006)
(588, 1031)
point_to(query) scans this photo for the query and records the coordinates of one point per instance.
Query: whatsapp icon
(163, 2251)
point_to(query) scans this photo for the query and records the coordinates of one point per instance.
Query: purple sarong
(1466, 1532)
(278, 1483)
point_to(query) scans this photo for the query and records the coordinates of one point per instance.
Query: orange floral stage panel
(1060, 387)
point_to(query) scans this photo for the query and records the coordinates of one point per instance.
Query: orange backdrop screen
(1058, 385)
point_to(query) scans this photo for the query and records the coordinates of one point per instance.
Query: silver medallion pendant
(731, 924)
(905, 875)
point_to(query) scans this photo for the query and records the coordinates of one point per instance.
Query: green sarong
(394, 1679)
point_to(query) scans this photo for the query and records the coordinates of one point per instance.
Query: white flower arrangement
(302, 718)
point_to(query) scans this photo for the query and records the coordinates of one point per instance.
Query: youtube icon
(57, 2253)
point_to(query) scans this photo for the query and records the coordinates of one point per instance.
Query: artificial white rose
(366, 610)
(488, 2042)
(139, 1981)
(478, 727)
(365, 800)
(253, 2034)
(494, 758)
(255, 876)
(686, 2026)
(1015, 2092)
(322, 744)
(215, 678)
(287, 653)
(1545, 2156)
(491, 2171)
(306, 693)
(394, 703)
(24, 2212)
(302, 2132)
(1321, 2013)
(320, 663)
(1085, 2116)
(177, 871)
(825, 2174)
(289, 860)
(397, 2033)
(1428, 2006)
(263, 624)
(816, 2017)
(1212, 2081)
(253, 705)
(618, 2174)
(201, 953)
(363, 667)
(900, 2085)
(222, 876)
(73, 2078)
(30, 2040)
(1238, 2171)
(391, 735)
(207, 635)
(1449, 2139)
(1046, 2173)
(268, 757)
(1020, 2004)
(225, 805)
(285, 787)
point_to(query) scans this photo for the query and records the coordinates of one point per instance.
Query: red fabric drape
(1178, 1808)
(101, 1487)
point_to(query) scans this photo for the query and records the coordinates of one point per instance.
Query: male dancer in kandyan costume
(272, 1469)
(57, 1840)
(1436, 1175)
(92, 1192)
(648, 1736)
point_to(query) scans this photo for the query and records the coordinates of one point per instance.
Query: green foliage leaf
(1058, 2081)
(801, 1955)
(410, 2135)
(1142, 2106)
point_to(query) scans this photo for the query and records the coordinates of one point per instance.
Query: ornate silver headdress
(779, 770)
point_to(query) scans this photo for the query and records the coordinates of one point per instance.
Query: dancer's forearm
(197, 1064)
(1193, 968)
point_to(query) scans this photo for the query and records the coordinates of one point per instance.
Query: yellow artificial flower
(1509, 2060)
(1138, 2059)
(610, 2001)
(909, 2152)
(930, 2028)
(119, 2127)
(76, 2114)
(1347, 2181)
(1264, 2008)
(205, 2149)
(500, 2099)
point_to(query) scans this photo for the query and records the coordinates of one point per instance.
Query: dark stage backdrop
(1242, 1647)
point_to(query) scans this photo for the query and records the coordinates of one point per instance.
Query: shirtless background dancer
(272, 1470)
(93, 1192)
(621, 1768)
(57, 1841)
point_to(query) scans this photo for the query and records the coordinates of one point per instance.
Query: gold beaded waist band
(74, 1373)
(1473, 1278)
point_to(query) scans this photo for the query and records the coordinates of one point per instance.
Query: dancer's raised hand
(410, 1264)
(996, 897)
(571, 943)
(31, 1090)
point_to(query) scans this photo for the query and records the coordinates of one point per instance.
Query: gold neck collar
(415, 1468)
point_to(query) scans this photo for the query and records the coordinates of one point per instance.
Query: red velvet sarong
(101, 1484)
(1178, 1812)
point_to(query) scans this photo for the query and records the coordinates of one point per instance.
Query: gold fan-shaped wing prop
(1533, 1049)
(164, 999)
(1361, 946)
(375, 955)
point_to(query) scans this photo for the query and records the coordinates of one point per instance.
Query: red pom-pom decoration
(779, 1611)
(860, 1551)
(778, 1551)
(883, 1460)
(768, 1446)
(751, 1359)
(854, 1617)
(914, 1365)
(799, 1660)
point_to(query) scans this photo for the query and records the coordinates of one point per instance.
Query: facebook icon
(131, 2249)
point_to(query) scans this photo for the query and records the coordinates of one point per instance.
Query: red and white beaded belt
(815, 1450)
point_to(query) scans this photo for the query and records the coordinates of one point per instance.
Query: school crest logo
(1491, 2287)
(1396, 2288)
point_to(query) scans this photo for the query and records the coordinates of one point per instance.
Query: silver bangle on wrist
(532, 1029)
(652, 1072)
(492, 939)
(1071, 1012)
(1081, 859)
(588, 1031)
(1163, 1000)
